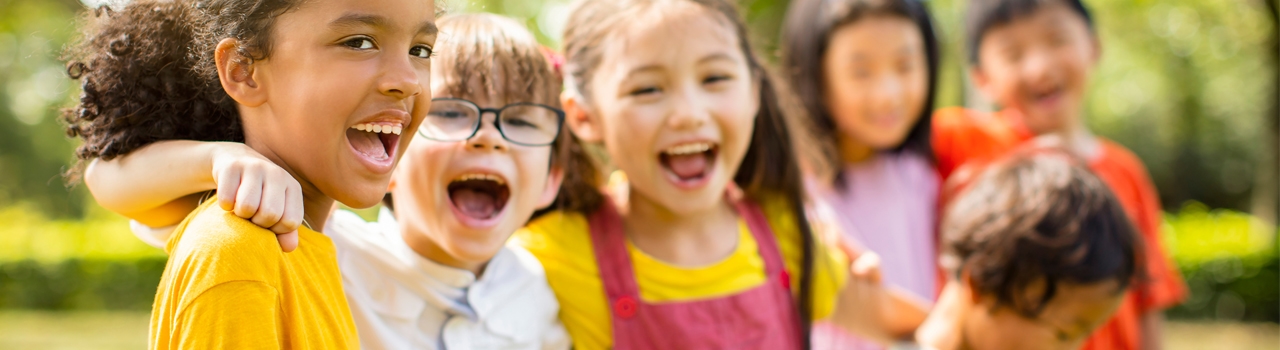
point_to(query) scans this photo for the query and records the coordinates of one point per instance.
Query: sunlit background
(1188, 85)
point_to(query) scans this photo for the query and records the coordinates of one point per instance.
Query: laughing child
(674, 94)
(1034, 57)
(224, 70)
(433, 273)
(1040, 254)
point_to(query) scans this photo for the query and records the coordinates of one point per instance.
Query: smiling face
(343, 82)
(457, 202)
(876, 80)
(1039, 65)
(1066, 321)
(675, 115)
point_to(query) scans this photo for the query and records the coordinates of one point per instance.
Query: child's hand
(254, 188)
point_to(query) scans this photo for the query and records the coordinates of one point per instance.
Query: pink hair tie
(554, 58)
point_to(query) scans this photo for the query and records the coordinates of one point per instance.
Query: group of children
(850, 216)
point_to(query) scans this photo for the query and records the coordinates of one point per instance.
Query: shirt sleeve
(231, 315)
(1163, 286)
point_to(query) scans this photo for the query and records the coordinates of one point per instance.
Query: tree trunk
(1266, 192)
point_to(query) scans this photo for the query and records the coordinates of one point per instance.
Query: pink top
(889, 204)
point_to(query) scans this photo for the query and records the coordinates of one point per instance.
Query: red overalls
(763, 317)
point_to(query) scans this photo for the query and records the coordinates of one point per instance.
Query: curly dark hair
(1038, 217)
(147, 72)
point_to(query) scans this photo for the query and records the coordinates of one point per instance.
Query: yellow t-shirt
(562, 242)
(227, 285)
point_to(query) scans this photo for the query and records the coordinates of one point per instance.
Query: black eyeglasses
(528, 124)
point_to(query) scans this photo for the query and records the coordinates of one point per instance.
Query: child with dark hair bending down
(1040, 254)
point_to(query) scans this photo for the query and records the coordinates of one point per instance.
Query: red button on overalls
(625, 307)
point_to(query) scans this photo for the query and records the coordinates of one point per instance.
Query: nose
(488, 137)
(886, 96)
(399, 78)
(687, 110)
(1039, 66)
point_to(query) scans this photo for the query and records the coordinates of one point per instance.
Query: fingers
(288, 241)
(274, 199)
(291, 217)
(228, 184)
(867, 267)
(249, 196)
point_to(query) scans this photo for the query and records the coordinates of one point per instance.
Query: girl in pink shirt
(865, 73)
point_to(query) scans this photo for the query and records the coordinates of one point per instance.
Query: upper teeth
(490, 177)
(379, 128)
(689, 148)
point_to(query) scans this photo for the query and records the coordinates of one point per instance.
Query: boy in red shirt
(1034, 57)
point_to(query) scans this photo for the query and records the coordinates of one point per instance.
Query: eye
(716, 79)
(450, 114)
(422, 51)
(519, 122)
(359, 43)
(648, 90)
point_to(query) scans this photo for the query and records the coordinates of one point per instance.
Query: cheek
(533, 167)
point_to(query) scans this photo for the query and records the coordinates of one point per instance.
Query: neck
(422, 244)
(316, 205)
(853, 152)
(693, 238)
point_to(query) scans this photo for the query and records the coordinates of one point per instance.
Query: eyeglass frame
(497, 118)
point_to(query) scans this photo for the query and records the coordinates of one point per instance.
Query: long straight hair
(807, 34)
(769, 170)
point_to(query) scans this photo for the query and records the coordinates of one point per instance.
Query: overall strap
(614, 261)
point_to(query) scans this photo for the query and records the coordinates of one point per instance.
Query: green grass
(128, 330)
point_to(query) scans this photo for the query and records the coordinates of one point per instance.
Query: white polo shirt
(400, 300)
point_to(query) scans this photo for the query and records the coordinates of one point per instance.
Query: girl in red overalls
(673, 93)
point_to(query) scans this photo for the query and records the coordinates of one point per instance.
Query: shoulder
(953, 119)
(555, 234)
(213, 247)
(212, 233)
(1117, 156)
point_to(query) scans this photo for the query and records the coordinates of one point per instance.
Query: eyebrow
(428, 28)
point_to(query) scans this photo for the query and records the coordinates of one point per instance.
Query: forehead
(677, 32)
(411, 17)
(1050, 16)
(887, 34)
(1087, 305)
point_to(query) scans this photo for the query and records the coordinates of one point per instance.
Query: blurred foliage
(1189, 85)
(1230, 263)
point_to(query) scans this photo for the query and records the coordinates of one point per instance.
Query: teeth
(489, 177)
(379, 129)
(690, 148)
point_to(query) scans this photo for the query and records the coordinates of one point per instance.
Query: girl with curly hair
(322, 89)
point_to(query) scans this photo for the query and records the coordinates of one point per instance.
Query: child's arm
(869, 308)
(158, 185)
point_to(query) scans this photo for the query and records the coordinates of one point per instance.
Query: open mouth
(479, 196)
(689, 162)
(376, 142)
(1047, 95)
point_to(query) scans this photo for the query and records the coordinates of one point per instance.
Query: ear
(579, 118)
(553, 187)
(391, 186)
(236, 73)
(1095, 48)
(980, 79)
(967, 281)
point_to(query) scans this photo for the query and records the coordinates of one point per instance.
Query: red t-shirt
(964, 139)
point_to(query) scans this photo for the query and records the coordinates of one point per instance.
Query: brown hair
(147, 72)
(807, 36)
(490, 55)
(1038, 217)
(768, 171)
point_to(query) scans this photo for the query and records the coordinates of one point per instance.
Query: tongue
(367, 143)
(689, 165)
(475, 204)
